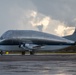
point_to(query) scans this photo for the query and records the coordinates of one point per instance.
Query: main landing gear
(31, 52)
(23, 52)
(1, 52)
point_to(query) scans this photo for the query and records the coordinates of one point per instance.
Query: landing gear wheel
(31, 52)
(23, 53)
(1, 52)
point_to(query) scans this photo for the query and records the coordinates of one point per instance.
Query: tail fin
(71, 37)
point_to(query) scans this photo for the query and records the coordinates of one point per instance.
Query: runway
(52, 64)
(52, 56)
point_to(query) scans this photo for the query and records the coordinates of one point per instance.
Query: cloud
(62, 30)
(13, 15)
(54, 15)
(62, 10)
(39, 19)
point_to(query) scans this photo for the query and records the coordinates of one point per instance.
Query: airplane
(30, 40)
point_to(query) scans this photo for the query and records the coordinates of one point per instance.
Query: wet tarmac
(44, 57)
(38, 67)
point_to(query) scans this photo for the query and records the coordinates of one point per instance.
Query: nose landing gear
(1, 52)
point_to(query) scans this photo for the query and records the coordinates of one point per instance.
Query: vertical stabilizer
(74, 31)
(71, 37)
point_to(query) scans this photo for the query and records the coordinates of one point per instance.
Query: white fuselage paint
(47, 48)
(26, 36)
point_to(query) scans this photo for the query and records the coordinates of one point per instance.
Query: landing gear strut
(23, 53)
(32, 52)
(1, 52)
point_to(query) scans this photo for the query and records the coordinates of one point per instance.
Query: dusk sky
(51, 16)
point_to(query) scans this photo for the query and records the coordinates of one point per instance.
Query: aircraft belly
(54, 47)
(16, 47)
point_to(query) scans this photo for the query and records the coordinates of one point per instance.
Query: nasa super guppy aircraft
(29, 40)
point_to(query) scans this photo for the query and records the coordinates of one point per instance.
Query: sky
(56, 17)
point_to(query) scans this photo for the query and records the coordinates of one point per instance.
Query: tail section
(71, 37)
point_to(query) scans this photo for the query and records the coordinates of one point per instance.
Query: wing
(30, 46)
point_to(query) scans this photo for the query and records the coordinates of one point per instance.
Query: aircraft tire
(31, 52)
(23, 53)
(1, 52)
